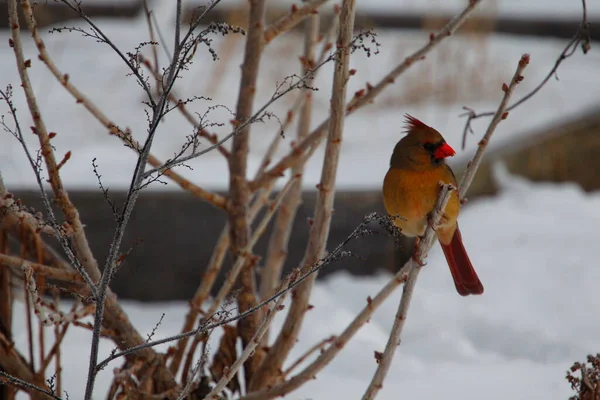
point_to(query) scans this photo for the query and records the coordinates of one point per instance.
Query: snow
(533, 247)
(463, 71)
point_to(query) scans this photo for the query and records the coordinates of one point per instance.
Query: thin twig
(211, 198)
(581, 39)
(334, 255)
(314, 139)
(181, 106)
(318, 346)
(152, 40)
(28, 386)
(500, 114)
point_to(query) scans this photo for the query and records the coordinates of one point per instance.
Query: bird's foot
(417, 253)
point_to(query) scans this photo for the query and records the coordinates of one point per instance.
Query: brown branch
(269, 371)
(278, 243)
(214, 267)
(18, 373)
(308, 64)
(238, 184)
(249, 349)
(246, 253)
(44, 270)
(208, 279)
(309, 372)
(211, 198)
(317, 135)
(79, 241)
(9, 206)
(291, 19)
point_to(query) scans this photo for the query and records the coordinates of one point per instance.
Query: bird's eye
(429, 146)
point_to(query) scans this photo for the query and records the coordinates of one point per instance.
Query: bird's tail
(465, 278)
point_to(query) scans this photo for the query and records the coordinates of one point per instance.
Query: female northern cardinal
(410, 191)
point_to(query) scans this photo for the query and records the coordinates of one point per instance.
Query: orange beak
(444, 151)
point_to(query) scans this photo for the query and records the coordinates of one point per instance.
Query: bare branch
(581, 39)
(81, 255)
(249, 349)
(278, 242)
(414, 267)
(314, 139)
(500, 114)
(44, 270)
(267, 374)
(27, 385)
(242, 259)
(291, 19)
(211, 198)
(239, 229)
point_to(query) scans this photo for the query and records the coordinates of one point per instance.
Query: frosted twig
(183, 109)
(211, 198)
(8, 205)
(27, 385)
(267, 373)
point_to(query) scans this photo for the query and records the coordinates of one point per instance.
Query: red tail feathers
(465, 278)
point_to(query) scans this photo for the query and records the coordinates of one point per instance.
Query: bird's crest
(413, 124)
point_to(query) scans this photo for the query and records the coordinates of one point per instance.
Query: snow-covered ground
(463, 71)
(534, 247)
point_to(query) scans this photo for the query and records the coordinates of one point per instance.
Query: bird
(410, 191)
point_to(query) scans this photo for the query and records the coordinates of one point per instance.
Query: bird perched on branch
(410, 192)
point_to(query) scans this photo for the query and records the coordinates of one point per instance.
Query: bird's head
(422, 145)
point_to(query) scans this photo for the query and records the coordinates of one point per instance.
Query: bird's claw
(417, 259)
(430, 224)
(417, 253)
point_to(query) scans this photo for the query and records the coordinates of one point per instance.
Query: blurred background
(553, 137)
